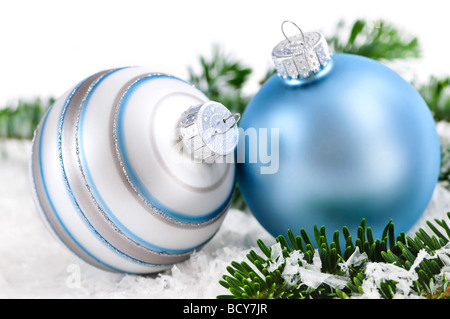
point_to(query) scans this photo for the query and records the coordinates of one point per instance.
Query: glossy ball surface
(357, 142)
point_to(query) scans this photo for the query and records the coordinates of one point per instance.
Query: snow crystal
(355, 259)
(276, 257)
(444, 254)
(298, 271)
(378, 272)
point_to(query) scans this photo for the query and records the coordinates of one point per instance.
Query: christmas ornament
(332, 139)
(131, 169)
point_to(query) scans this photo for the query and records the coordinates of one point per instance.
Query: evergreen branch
(222, 78)
(379, 40)
(21, 121)
(292, 268)
(436, 93)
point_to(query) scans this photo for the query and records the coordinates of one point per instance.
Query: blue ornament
(331, 140)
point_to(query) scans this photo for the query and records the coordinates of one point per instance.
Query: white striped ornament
(106, 179)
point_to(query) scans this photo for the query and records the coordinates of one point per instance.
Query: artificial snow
(298, 271)
(34, 265)
(378, 272)
(355, 260)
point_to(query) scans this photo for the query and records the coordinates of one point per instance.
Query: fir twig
(378, 40)
(222, 78)
(423, 259)
(436, 92)
(20, 121)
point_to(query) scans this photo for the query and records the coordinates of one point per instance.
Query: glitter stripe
(89, 196)
(102, 228)
(132, 179)
(46, 204)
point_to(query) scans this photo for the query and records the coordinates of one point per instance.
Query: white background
(47, 46)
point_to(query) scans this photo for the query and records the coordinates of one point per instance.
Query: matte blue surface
(358, 142)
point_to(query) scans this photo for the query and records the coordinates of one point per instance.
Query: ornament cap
(208, 131)
(302, 55)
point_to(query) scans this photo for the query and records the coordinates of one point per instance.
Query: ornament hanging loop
(293, 23)
(302, 55)
(236, 117)
(202, 130)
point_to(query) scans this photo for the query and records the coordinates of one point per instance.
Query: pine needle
(425, 255)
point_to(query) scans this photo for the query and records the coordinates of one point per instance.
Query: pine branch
(290, 268)
(20, 121)
(378, 40)
(436, 93)
(222, 78)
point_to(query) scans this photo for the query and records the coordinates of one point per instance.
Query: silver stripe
(44, 203)
(74, 172)
(124, 173)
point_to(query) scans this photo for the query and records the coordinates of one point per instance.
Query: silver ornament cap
(208, 131)
(302, 55)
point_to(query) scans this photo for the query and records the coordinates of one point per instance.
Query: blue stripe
(75, 203)
(49, 199)
(135, 177)
(100, 201)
